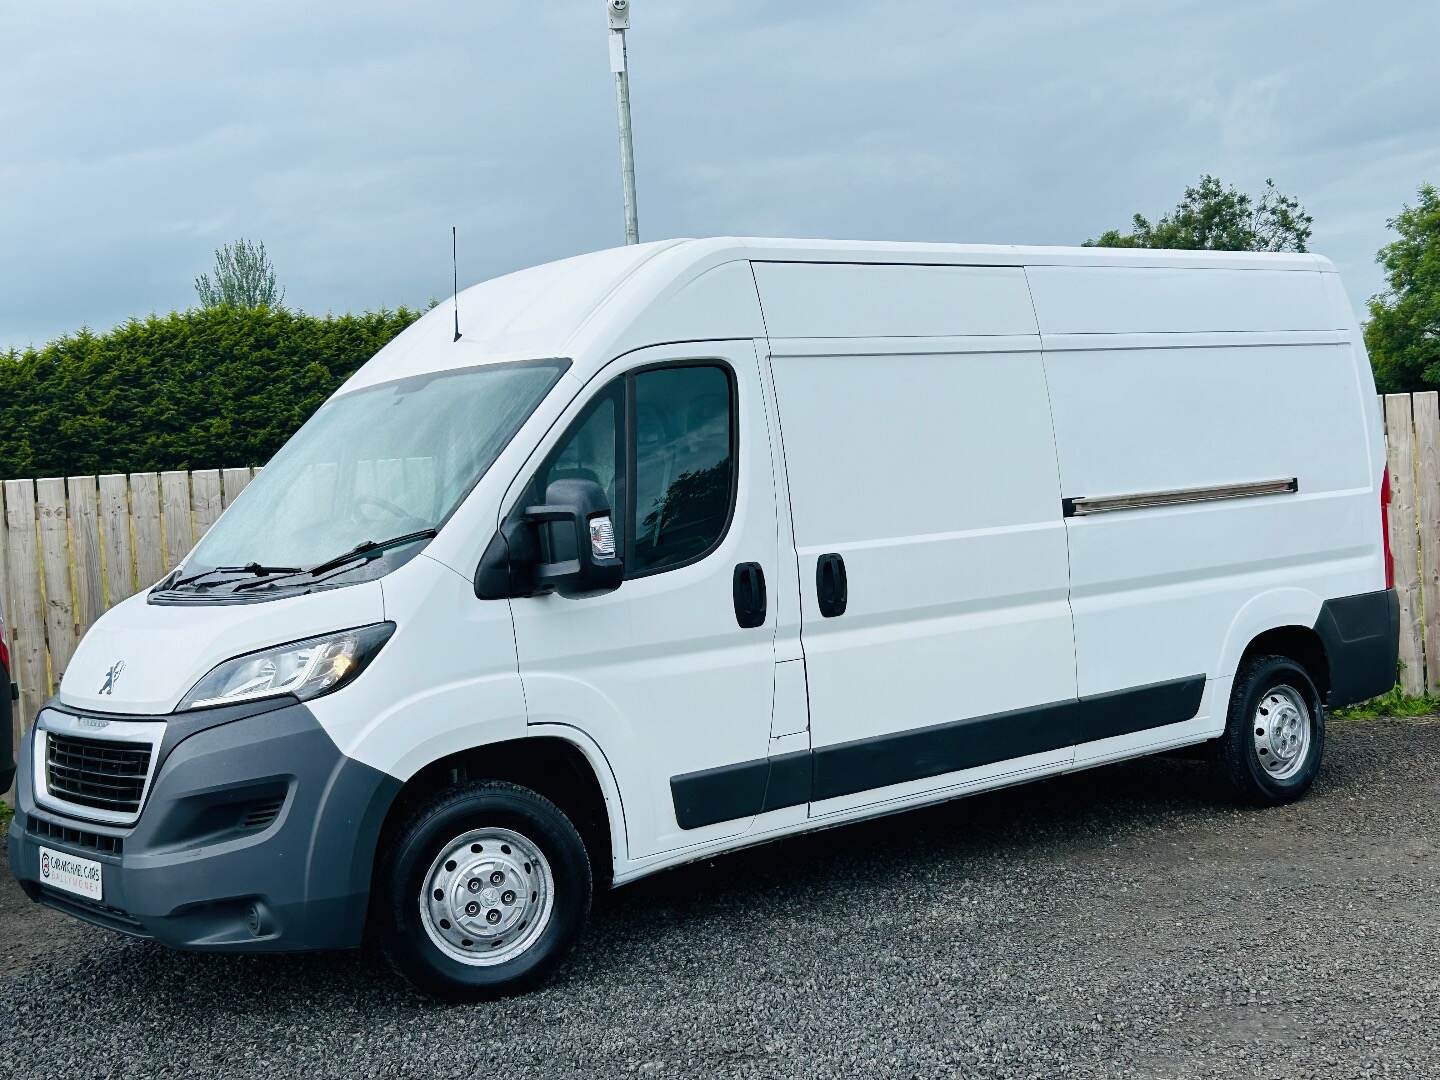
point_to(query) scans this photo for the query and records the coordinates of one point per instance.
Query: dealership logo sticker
(108, 686)
(72, 874)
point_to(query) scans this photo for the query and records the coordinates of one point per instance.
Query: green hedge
(193, 389)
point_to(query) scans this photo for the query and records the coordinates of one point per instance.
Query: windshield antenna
(455, 278)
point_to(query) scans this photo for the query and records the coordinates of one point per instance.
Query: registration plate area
(72, 874)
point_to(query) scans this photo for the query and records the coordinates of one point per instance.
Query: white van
(691, 545)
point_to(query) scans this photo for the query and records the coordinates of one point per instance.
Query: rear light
(4, 647)
(1385, 529)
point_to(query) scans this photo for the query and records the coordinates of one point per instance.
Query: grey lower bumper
(207, 866)
(1361, 634)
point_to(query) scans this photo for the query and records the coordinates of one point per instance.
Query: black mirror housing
(576, 529)
(558, 547)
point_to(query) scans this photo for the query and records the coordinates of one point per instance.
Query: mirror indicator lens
(602, 537)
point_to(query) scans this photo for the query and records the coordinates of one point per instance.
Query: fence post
(28, 614)
(1405, 541)
(115, 519)
(1426, 407)
(235, 482)
(85, 539)
(175, 511)
(55, 567)
(205, 499)
(145, 515)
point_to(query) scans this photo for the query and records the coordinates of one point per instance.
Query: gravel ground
(1126, 922)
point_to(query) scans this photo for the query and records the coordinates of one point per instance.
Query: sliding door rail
(1085, 505)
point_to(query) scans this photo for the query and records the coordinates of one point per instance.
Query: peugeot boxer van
(691, 545)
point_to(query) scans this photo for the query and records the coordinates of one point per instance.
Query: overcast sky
(135, 138)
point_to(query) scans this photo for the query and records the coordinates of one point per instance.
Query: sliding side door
(927, 521)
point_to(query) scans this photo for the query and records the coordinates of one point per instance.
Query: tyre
(483, 892)
(1274, 734)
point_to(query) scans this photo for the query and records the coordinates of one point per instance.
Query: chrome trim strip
(149, 732)
(1082, 506)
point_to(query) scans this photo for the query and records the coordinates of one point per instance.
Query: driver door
(660, 672)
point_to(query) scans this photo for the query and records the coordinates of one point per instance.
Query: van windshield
(374, 464)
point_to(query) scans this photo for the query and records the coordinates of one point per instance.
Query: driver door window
(684, 466)
(593, 449)
(679, 450)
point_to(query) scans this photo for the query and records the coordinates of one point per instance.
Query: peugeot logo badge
(108, 686)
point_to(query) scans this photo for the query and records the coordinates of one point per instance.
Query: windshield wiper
(366, 549)
(254, 569)
(369, 547)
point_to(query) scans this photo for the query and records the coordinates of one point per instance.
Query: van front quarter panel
(445, 682)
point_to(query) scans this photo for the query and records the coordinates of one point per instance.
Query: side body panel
(1237, 568)
(1256, 381)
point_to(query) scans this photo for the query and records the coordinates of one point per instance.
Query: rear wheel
(485, 890)
(1275, 733)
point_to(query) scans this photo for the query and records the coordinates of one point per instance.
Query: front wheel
(1275, 732)
(484, 892)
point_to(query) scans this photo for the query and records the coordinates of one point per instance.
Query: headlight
(304, 669)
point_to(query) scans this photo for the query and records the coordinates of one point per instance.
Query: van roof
(801, 250)
(565, 307)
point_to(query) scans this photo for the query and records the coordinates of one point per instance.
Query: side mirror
(577, 540)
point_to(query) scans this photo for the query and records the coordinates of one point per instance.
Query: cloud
(350, 137)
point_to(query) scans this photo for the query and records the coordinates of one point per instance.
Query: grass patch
(1393, 703)
(5, 815)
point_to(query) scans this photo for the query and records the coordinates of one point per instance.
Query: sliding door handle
(831, 587)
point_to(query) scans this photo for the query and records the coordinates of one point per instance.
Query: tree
(244, 278)
(1213, 217)
(1403, 334)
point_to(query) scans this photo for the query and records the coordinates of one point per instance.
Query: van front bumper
(257, 834)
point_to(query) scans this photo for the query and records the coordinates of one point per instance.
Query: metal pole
(619, 13)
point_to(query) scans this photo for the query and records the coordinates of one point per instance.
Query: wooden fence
(1412, 443)
(72, 547)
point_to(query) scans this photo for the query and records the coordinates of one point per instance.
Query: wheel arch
(557, 762)
(1279, 621)
(1301, 644)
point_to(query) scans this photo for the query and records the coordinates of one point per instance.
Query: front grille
(64, 834)
(95, 772)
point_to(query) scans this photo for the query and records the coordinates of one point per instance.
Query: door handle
(831, 587)
(749, 595)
